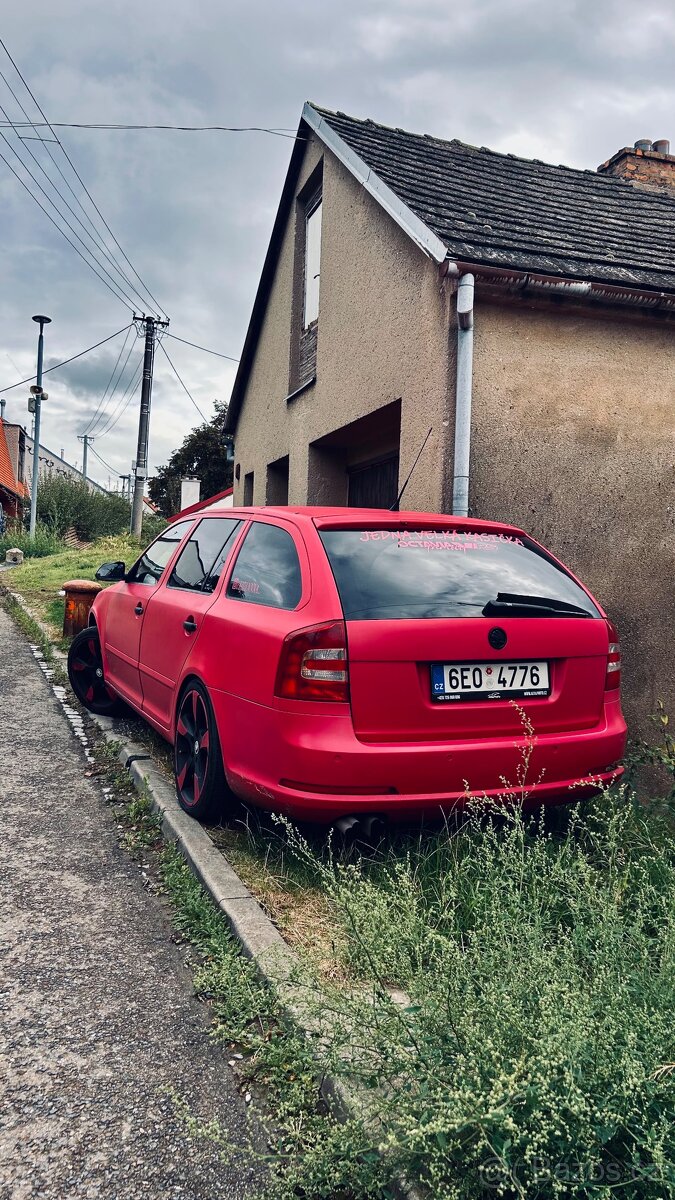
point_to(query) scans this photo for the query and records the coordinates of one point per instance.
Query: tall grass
(508, 1029)
(533, 1051)
(16, 537)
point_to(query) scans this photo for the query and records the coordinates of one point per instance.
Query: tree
(202, 455)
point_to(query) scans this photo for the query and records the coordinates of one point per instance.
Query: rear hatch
(455, 633)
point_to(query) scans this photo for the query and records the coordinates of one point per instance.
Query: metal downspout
(460, 483)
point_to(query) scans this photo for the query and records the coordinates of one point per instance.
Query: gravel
(99, 1029)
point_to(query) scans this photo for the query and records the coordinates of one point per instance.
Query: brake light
(613, 676)
(313, 664)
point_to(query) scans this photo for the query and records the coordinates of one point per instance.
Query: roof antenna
(395, 505)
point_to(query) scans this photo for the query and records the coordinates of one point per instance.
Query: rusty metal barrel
(80, 595)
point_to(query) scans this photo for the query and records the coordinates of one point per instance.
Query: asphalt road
(97, 1019)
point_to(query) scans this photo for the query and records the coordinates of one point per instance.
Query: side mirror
(111, 571)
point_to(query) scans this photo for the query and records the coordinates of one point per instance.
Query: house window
(312, 263)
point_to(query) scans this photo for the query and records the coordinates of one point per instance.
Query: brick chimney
(646, 164)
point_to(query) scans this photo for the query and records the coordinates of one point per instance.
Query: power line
(204, 348)
(185, 389)
(66, 360)
(96, 240)
(100, 408)
(122, 407)
(102, 461)
(23, 183)
(121, 295)
(79, 177)
(279, 131)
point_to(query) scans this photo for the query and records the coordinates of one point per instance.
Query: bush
(64, 504)
(152, 527)
(17, 537)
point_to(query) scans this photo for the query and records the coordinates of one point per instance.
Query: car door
(125, 613)
(176, 610)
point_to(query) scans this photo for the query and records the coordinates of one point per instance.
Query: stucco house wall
(382, 337)
(574, 439)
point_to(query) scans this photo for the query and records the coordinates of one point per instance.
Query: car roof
(346, 518)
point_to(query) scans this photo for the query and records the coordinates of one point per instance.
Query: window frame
(232, 541)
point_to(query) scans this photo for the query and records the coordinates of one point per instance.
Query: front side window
(149, 567)
(312, 264)
(384, 574)
(267, 570)
(201, 560)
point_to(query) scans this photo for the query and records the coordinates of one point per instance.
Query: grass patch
(39, 580)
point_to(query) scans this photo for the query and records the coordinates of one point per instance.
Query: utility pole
(141, 471)
(37, 393)
(85, 438)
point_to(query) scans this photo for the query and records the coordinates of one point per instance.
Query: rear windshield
(385, 573)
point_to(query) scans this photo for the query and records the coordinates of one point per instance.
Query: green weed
(16, 537)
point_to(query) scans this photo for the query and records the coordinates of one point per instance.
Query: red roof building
(12, 491)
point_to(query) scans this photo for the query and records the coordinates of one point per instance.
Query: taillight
(313, 664)
(613, 676)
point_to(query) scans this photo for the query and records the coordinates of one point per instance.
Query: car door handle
(138, 609)
(190, 625)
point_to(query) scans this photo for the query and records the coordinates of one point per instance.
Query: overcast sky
(569, 82)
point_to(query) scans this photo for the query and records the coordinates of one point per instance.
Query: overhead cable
(95, 238)
(79, 178)
(67, 360)
(124, 402)
(100, 408)
(279, 131)
(206, 350)
(185, 389)
(23, 183)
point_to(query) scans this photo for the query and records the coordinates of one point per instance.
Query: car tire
(201, 786)
(85, 672)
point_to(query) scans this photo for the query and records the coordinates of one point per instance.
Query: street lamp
(37, 394)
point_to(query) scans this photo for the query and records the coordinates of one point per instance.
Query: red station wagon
(331, 662)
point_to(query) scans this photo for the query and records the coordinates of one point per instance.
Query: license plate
(451, 682)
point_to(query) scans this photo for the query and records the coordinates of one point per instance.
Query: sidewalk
(97, 1017)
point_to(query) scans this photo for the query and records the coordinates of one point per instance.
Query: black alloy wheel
(198, 765)
(85, 671)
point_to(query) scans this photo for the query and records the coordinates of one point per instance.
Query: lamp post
(41, 321)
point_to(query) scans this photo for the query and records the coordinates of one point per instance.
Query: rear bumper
(312, 766)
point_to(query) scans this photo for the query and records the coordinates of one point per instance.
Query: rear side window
(200, 562)
(267, 570)
(385, 573)
(149, 567)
